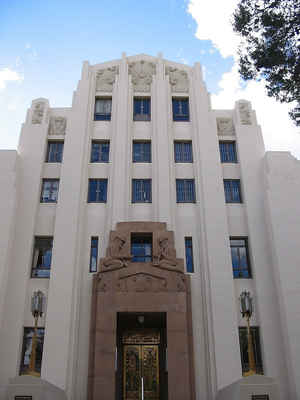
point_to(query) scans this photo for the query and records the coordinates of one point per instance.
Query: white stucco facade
(268, 216)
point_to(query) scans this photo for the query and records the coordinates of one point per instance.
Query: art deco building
(142, 214)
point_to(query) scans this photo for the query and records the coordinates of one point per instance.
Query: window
(189, 260)
(180, 109)
(243, 336)
(260, 397)
(26, 350)
(240, 257)
(49, 192)
(94, 254)
(141, 151)
(102, 109)
(54, 151)
(97, 191)
(183, 152)
(141, 109)
(228, 152)
(141, 247)
(100, 151)
(232, 190)
(42, 255)
(185, 191)
(141, 191)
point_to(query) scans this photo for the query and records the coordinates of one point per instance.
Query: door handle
(142, 387)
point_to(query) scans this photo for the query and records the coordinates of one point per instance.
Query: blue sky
(43, 45)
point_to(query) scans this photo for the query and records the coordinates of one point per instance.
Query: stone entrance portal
(157, 347)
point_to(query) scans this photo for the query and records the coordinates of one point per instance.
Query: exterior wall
(8, 160)
(283, 218)
(210, 222)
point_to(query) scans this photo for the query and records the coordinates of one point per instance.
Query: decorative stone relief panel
(38, 112)
(225, 126)
(141, 75)
(245, 112)
(179, 80)
(105, 78)
(57, 126)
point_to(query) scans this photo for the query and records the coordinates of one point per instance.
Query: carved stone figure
(166, 254)
(105, 79)
(141, 73)
(57, 126)
(38, 113)
(245, 113)
(178, 80)
(225, 126)
(115, 259)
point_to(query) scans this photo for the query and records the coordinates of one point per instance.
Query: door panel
(141, 361)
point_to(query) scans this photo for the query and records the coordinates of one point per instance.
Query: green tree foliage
(270, 46)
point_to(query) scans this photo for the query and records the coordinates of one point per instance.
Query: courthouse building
(142, 214)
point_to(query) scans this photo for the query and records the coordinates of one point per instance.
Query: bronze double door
(141, 367)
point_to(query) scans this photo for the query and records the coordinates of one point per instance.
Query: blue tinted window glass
(42, 255)
(180, 108)
(183, 152)
(185, 191)
(141, 109)
(240, 258)
(189, 254)
(94, 254)
(141, 191)
(55, 151)
(100, 151)
(141, 151)
(141, 248)
(232, 191)
(97, 191)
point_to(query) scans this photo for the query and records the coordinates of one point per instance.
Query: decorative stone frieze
(225, 126)
(141, 75)
(105, 78)
(38, 112)
(244, 109)
(57, 126)
(179, 80)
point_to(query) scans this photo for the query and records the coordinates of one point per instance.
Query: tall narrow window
(42, 254)
(102, 109)
(185, 191)
(240, 257)
(94, 254)
(27, 347)
(189, 259)
(180, 108)
(141, 151)
(243, 336)
(141, 191)
(49, 192)
(141, 247)
(141, 109)
(97, 191)
(100, 151)
(183, 152)
(228, 152)
(232, 188)
(54, 151)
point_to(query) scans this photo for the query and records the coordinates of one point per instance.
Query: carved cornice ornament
(225, 126)
(105, 78)
(244, 112)
(179, 80)
(38, 113)
(141, 73)
(57, 126)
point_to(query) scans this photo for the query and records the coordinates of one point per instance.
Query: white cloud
(6, 75)
(213, 20)
(278, 130)
(213, 23)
